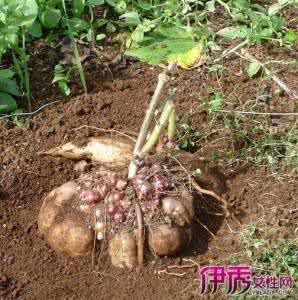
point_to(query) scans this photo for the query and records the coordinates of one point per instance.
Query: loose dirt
(29, 269)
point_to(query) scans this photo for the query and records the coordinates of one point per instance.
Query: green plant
(255, 23)
(61, 77)
(16, 17)
(8, 89)
(75, 49)
(266, 253)
(170, 43)
(189, 138)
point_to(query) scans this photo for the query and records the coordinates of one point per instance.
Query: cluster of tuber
(101, 205)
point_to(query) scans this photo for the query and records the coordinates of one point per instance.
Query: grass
(267, 250)
(268, 253)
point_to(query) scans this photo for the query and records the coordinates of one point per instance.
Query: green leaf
(95, 2)
(210, 6)
(131, 18)
(35, 30)
(233, 32)
(253, 69)
(9, 86)
(6, 73)
(77, 25)
(100, 22)
(111, 28)
(163, 46)
(29, 12)
(291, 36)
(51, 17)
(100, 36)
(138, 34)
(78, 7)
(120, 7)
(7, 103)
(64, 88)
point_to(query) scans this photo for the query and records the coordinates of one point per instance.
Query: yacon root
(110, 152)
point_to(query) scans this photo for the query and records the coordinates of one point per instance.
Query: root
(171, 273)
(212, 194)
(199, 189)
(139, 236)
(165, 271)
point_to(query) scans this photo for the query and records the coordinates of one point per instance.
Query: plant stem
(91, 26)
(79, 65)
(75, 51)
(278, 81)
(162, 123)
(17, 68)
(26, 72)
(172, 125)
(163, 78)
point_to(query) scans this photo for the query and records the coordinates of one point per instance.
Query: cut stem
(172, 125)
(163, 78)
(162, 123)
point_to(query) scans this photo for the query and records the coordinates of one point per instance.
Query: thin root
(171, 273)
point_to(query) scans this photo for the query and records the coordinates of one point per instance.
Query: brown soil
(29, 269)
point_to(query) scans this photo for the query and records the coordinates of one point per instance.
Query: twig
(28, 113)
(163, 78)
(257, 113)
(230, 51)
(105, 130)
(140, 240)
(278, 81)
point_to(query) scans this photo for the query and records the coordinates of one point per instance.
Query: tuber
(175, 208)
(123, 250)
(71, 237)
(64, 229)
(165, 240)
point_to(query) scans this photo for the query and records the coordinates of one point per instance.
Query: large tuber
(62, 226)
(165, 240)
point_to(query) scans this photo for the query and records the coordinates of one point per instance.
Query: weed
(268, 254)
(62, 77)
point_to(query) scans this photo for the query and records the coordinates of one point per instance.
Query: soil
(29, 269)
